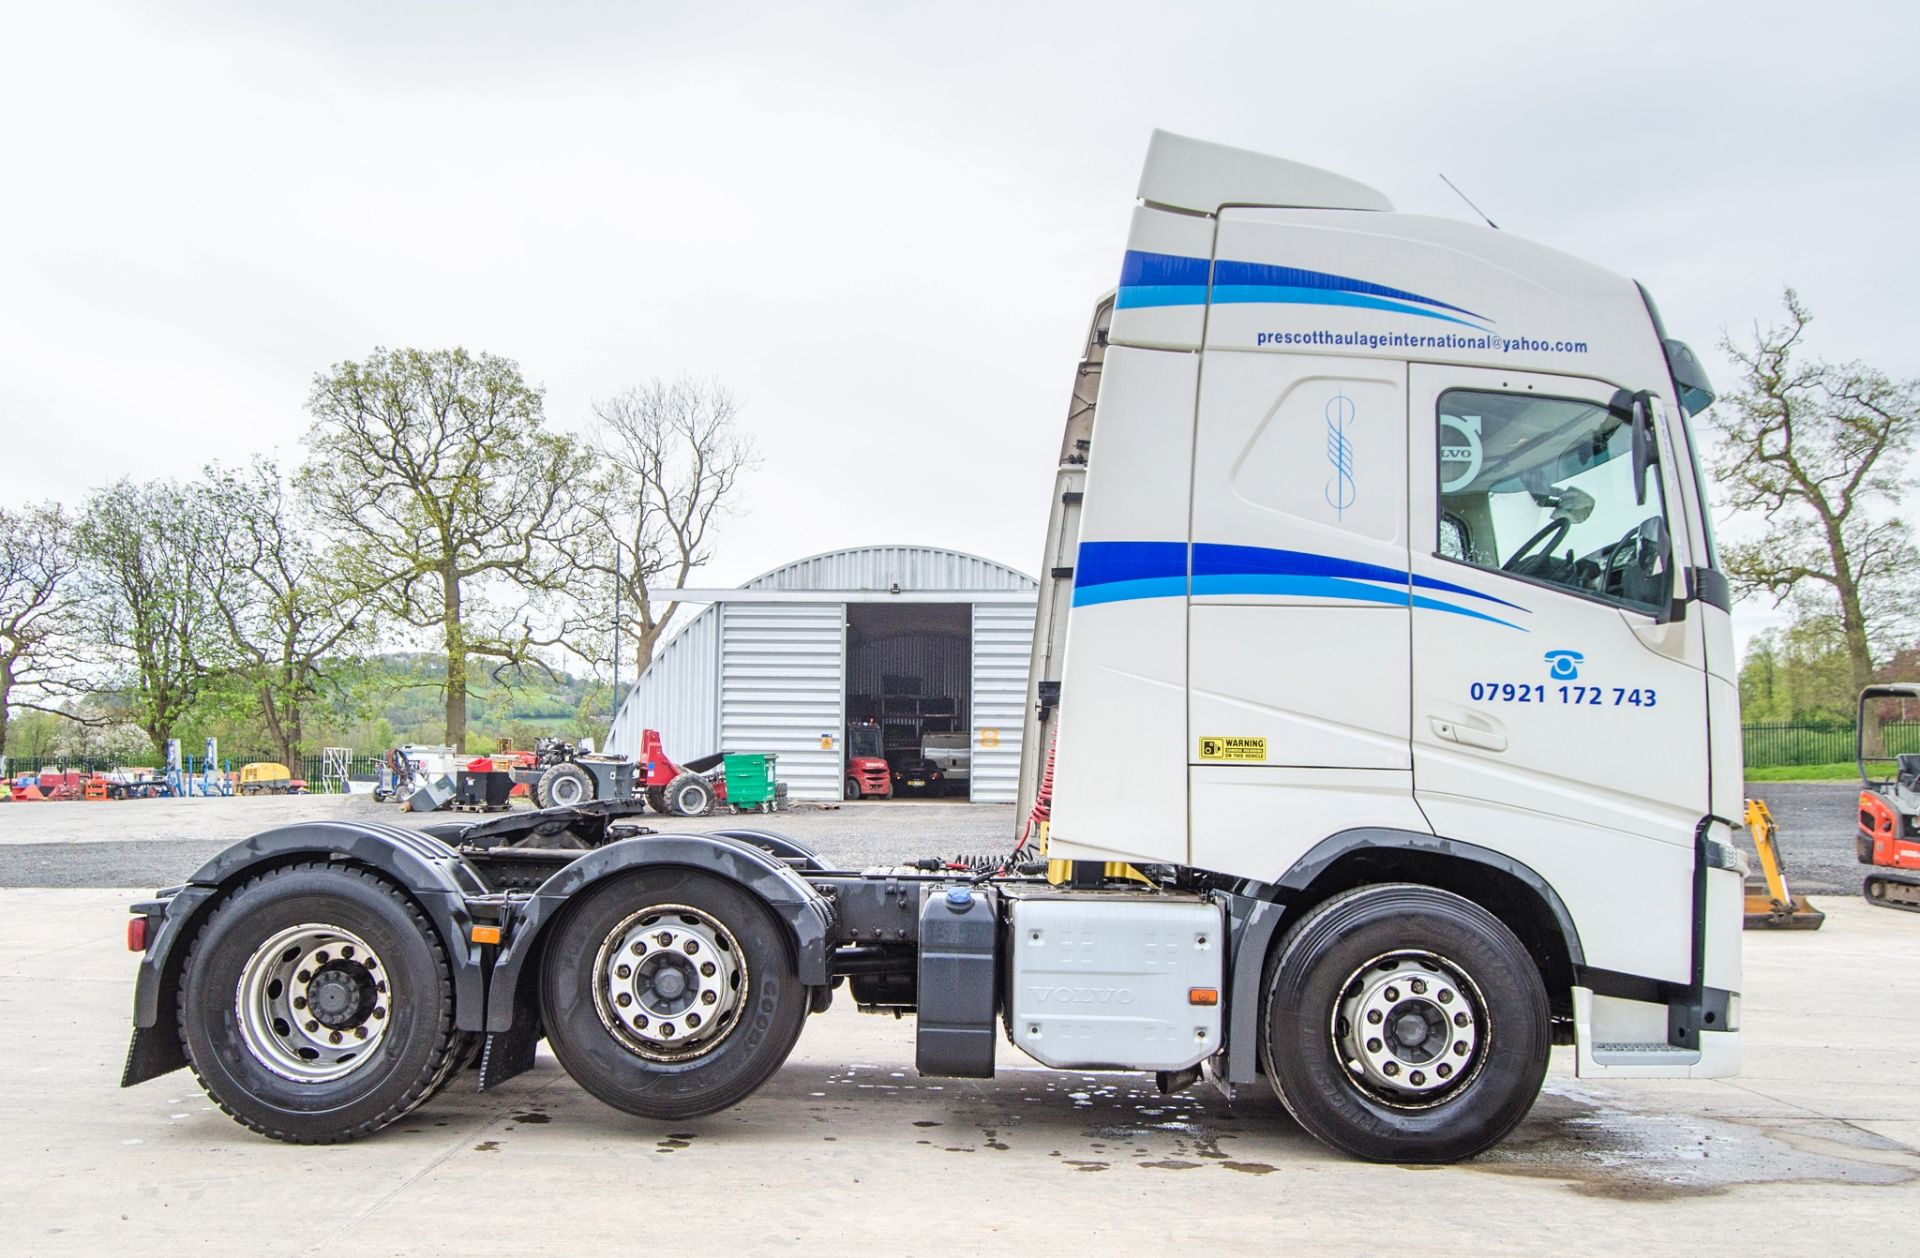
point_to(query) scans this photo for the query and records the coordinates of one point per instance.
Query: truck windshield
(1542, 488)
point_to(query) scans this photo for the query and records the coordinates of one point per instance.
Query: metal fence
(1776, 746)
(310, 768)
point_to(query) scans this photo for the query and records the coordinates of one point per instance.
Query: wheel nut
(1459, 1048)
(320, 958)
(379, 1011)
(371, 961)
(638, 948)
(313, 1026)
(1460, 1019)
(623, 999)
(346, 953)
(299, 1002)
(1419, 986)
(625, 971)
(1373, 1016)
(692, 946)
(1446, 997)
(359, 1033)
(1373, 1046)
(305, 976)
(666, 1029)
(664, 939)
(693, 1019)
(1392, 993)
(706, 969)
(1416, 1078)
(334, 1038)
(1443, 1070)
(1390, 1069)
(707, 998)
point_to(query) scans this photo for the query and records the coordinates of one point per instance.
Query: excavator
(1889, 838)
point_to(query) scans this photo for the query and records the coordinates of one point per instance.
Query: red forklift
(1889, 838)
(868, 774)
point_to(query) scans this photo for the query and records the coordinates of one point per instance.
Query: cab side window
(1542, 488)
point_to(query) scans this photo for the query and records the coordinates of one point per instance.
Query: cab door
(1558, 698)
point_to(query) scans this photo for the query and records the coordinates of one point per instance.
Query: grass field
(1842, 772)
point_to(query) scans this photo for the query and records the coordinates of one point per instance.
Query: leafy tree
(38, 564)
(288, 609)
(1800, 675)
(1819, 449)
(671, 456)
(147, 551)
(114, 744)
(451, 498)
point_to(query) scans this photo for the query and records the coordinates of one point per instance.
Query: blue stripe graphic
(1168, 279)
(1114, 572)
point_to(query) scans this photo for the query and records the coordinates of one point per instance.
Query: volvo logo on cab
(1082, 995)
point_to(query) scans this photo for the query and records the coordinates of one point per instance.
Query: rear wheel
(317, 1005)
(657, 799)
(671, 993)
(689, 795)
(853, 788)
(1405, 1024)
(565, 785)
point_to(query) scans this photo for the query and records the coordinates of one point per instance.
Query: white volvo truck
(1386, 668)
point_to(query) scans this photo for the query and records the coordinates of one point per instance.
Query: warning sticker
(1233, 748)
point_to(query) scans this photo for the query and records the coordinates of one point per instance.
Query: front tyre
(1405, 1024)
(565, 785)
(690, 795)
(317, 1005)
(670, 993)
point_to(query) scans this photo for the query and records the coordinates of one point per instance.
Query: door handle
(1455, 732)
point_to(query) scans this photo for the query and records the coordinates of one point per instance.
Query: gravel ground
(1817, 823)
(139, 843)
(88, 845)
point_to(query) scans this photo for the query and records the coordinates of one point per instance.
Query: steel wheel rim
(313, 1003)
(1410, 1028)
(566, 789)
(670, 982)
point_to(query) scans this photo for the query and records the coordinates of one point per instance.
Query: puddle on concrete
(487, 1146)
(1602, 1149)
(532, 1116)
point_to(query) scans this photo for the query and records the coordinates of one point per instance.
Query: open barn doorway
(909, 682)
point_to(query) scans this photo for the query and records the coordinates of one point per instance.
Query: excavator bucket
(1774, 907)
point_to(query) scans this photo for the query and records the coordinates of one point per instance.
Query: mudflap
(1889, 890)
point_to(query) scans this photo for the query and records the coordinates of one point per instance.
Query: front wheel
(671, 993)
(689, 795)
(565, 785)
(853, 788)
(1405, 1024)
(317, 1005)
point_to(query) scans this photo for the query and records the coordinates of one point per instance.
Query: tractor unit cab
(1380, 553)
(1889, 838)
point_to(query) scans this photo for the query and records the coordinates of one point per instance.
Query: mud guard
(424, 867)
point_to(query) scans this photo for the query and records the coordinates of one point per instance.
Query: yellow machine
(1777, 907)
(264, 777)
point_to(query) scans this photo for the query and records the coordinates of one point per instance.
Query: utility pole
(616, 629)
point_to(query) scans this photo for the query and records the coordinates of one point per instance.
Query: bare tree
(38, 562)
(283, 597)
(1819, 449)
(671, 455)
(451, 498)
(146, 551)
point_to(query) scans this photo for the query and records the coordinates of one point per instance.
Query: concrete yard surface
(848, 1152)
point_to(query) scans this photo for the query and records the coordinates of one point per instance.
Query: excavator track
(1893, 891)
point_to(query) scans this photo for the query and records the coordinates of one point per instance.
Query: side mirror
(1646, 450)
(1690, 383)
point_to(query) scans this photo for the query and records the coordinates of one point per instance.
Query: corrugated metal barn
(918, 640)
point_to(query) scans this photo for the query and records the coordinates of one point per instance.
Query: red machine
(868, 774)
(1889, 838)
(685, 790)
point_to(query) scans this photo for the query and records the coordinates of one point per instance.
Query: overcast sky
(883, 225)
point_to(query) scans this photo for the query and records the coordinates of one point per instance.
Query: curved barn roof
(880, 568)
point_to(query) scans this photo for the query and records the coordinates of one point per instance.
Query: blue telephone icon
(1564, 665)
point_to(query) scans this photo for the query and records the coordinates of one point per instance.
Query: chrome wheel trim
(670, 982)
(313, 1003)
(1410, 1028)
